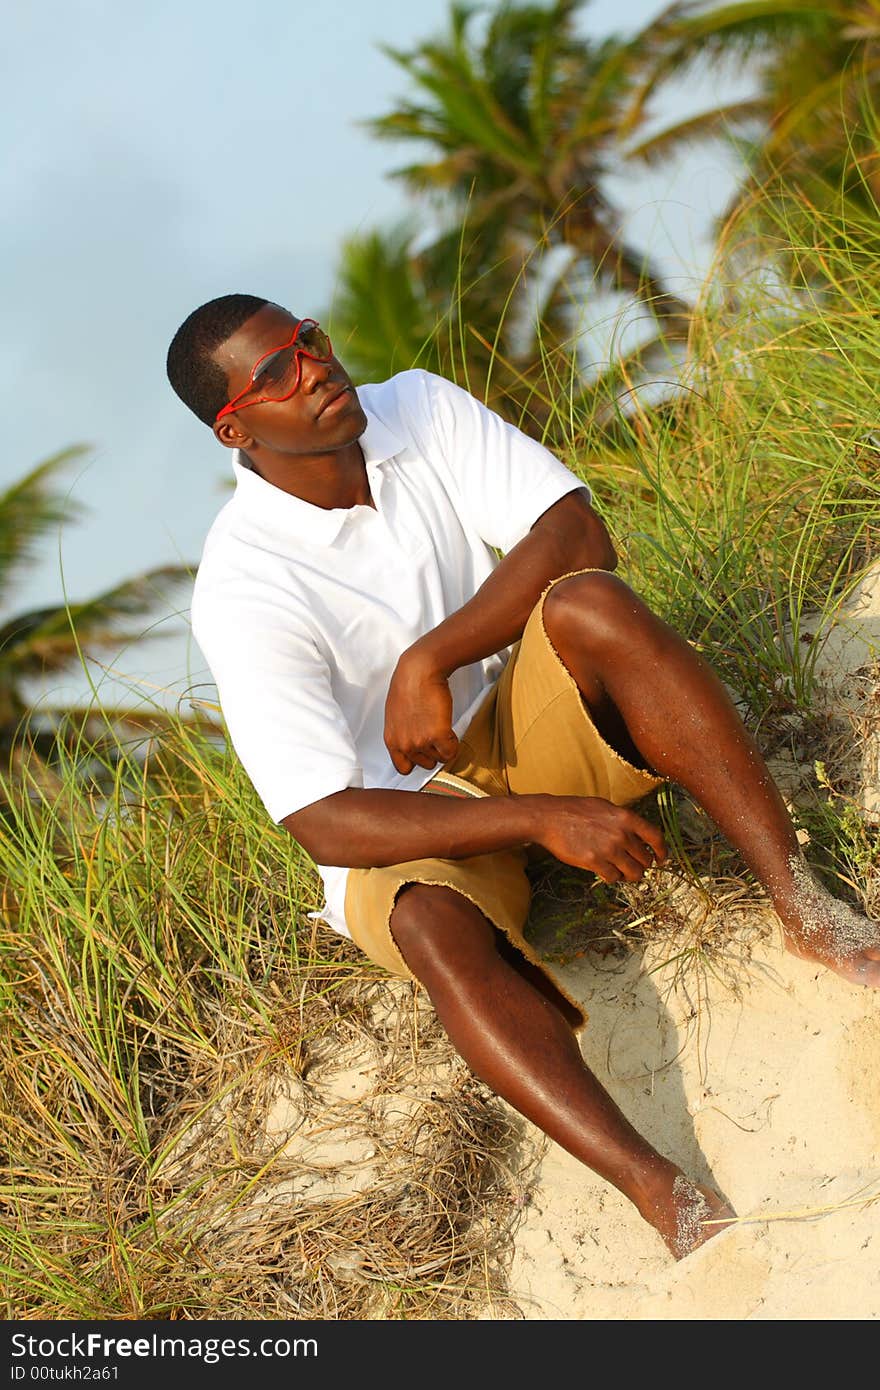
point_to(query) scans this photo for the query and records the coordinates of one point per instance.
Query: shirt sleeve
(277, 702)
(505, 479)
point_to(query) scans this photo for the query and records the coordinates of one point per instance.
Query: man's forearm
(369, 828)
(569, 536)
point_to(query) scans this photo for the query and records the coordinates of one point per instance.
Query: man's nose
(312, 373)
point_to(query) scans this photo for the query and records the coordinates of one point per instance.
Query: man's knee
(596, 606)
(438, 930)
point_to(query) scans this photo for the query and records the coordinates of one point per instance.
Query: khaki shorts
(532, 733)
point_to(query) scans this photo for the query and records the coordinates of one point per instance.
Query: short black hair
(193, 374)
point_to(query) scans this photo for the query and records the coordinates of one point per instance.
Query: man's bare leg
(632, 667)
(516, 1040)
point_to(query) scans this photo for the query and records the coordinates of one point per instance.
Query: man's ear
(229, 433)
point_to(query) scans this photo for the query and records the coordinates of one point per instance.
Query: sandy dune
(774, 1096)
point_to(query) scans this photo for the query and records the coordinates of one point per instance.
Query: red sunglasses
(278, 372)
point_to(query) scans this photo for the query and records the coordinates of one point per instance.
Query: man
(358, 623)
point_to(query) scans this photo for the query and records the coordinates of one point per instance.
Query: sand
(758, 1073)
(773, 1097)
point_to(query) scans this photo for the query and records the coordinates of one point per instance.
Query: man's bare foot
(819, 927)
(681, 1210)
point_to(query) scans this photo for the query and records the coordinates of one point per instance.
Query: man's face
(323, 414)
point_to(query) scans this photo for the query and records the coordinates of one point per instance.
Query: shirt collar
(278, 510)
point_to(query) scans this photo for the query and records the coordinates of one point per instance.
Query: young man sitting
(417, 713)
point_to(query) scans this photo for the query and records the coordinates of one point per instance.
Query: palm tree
(54, 639)
(524, 124)
(521, 125)
(814, 117)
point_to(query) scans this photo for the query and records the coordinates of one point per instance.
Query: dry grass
(177, 1053)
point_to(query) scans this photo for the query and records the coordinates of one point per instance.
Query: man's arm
(368, 828)
(418, 711)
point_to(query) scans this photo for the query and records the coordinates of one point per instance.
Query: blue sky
(159, 155)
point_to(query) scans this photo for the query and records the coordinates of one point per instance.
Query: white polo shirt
(302, 612)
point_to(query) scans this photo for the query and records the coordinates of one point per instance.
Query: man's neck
(325, 480)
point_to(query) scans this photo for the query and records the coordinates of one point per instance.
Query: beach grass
(213, 1106)
(163, 987)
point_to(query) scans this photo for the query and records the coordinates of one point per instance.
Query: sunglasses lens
(315, 342)
(276, 377)
(275, 380)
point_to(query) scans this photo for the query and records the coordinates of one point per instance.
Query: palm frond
(820, 93)
(29, 509)
(465, 107)
(382, 308)
(47, 640)
(605, 80)
(691, 34)
(720, 121)
(524, 57)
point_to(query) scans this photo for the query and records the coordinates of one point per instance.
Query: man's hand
(418, 714)
(591, 833)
